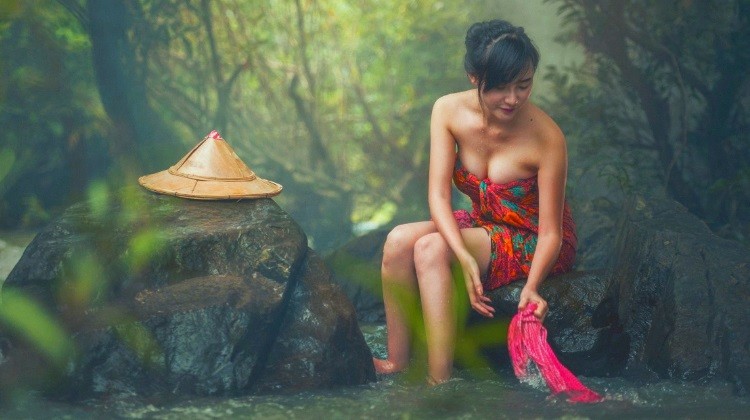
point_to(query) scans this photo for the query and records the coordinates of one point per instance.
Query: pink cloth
(527, 342)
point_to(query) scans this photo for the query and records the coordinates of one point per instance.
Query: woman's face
(503, 102)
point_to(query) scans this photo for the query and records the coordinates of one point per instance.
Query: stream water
(496, 395)
(465, 397)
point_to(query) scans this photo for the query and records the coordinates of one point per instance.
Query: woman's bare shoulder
(455, 100)
(455, 109)
(545, 128)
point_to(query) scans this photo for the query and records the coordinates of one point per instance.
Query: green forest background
(332, 98)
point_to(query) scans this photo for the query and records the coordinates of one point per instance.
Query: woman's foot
(385, 366)
(434, 382)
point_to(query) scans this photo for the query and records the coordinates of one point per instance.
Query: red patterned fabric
(510, 214)
(527, 343)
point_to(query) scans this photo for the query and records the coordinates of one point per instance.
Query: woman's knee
(398, 245)
(429, 251)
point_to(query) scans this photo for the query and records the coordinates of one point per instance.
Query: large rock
(681, 294)
(201, 336)
(581, 328)
(168, 296)
(148, 241)
(319, 341)
(596, 220)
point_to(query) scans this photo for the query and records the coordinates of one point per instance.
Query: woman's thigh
(433, 245)
(405, 235)
(478, 242)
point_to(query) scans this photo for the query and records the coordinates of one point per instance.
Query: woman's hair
(497, 53)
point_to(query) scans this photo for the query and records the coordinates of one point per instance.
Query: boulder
(201, 336)
(319, 340)
(596, 220)
(681, 294)
(172, 297)
(148, 241)
(581, 328)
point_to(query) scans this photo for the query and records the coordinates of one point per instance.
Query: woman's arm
(442, 161)
(551, 180)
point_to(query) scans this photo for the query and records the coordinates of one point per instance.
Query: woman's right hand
(472, 278)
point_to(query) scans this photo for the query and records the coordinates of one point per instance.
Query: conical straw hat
(211, 171)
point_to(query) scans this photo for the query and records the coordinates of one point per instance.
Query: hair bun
(497, 52)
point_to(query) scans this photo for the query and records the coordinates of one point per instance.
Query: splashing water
(527, 345)
(533, 378)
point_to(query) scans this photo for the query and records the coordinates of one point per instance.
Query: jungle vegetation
(331, 98)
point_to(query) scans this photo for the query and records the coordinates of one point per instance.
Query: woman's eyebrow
(528, 79)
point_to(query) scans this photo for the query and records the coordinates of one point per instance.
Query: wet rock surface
(681, 294)
(148, 241)
(319, 341)
(169, 297)
(596, 222)
(580, 326)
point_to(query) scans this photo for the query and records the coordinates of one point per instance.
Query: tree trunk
(141, 138)
(611, 42)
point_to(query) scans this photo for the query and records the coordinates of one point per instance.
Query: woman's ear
(473, 79)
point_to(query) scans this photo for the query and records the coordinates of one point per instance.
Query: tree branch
(303, 46)
(78, 11)
(318, 152)
(610, 41)
(663, 54)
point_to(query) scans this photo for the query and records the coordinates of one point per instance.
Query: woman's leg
(399, 285)
(433, 258)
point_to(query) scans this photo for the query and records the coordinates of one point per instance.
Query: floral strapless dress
(510, 214)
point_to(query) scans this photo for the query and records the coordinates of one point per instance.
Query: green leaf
(26, 317)
(7, 158)
(142, 248)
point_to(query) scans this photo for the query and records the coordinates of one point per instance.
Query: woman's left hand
(479, 301)
(531, 296)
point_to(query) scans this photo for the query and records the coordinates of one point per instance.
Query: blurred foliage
(475, 341)
(140, 340)
(53, 126)
(330, 98)
(83, 295)
(662, 100)
(24, 316)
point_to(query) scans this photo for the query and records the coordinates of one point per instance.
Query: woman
(510, 158)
